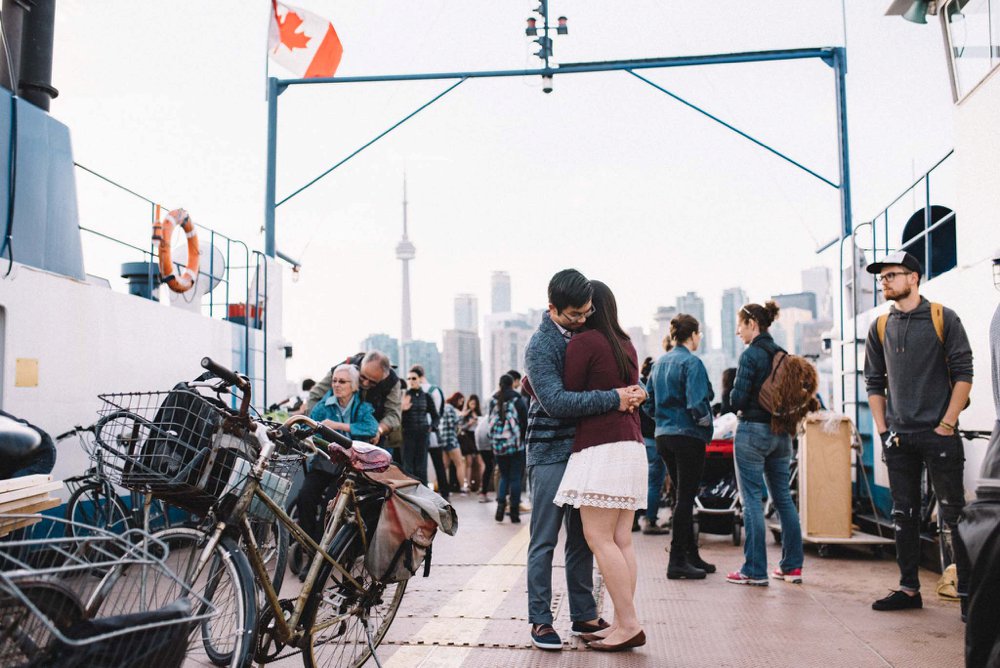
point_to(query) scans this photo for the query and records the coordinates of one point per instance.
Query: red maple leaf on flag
(290, 38)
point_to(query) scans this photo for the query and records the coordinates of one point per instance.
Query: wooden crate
(25, 496)
(825, 480)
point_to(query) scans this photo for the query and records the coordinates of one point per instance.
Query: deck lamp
(547, 88)
(531, 30)
(917, 13)
(996, 269)
(562, 28)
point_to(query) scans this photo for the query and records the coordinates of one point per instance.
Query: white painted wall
(89, 340)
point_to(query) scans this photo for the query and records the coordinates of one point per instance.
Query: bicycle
(94, 502)
(195, 452)
(83, 596)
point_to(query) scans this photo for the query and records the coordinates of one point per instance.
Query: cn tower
(405, 251)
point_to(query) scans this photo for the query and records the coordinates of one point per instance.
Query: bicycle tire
(227, 639)
(27, 640)
(345, 645)
(96, 505)
(272, 543)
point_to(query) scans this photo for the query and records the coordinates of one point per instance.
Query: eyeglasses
(886, 278)
(339, 381)
(580, 317)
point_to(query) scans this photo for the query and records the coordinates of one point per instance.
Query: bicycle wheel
(271, 537)
(96, 505)
(345, 644)
(226, 639)
(26, 639)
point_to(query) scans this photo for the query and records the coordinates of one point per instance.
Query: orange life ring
(162, 232)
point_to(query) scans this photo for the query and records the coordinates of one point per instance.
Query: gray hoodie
(913, 366)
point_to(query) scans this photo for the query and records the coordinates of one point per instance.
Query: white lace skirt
(612, 475)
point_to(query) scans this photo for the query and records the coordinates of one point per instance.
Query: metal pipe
(35, 81)
(272, 153)
(839, 64)
(824, 53)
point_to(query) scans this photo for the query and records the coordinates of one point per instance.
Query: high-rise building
(818, 280)
(424, 353)
(509, 335)
(692, 304)
(405, 252)
(467, 312)
(733, 300)
(500, 292)
(385, 343)
(461, 367)
(788, 325)
(805, 301)
(662, 317)
(638, 336)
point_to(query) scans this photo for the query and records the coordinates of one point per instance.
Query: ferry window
(942, 254)
(973, 28)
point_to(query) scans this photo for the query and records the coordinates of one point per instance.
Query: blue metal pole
(839, 64)
(824, 53)
(272, 145)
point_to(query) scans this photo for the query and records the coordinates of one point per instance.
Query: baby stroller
(717, 508)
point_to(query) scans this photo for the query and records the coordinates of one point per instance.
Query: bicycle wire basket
(172, 445)
(75, 595)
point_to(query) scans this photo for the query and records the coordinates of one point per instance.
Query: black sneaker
(898, 600)
(543, 636)
(501, 506)
(580, 628)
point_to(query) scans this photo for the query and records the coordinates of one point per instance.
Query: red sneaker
(794, 575)
(737, 577)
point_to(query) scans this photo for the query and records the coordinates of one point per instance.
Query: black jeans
(689, 453)
(415, 454)
(312, 500)
(486, 484)
(440, 471)
(944, 457)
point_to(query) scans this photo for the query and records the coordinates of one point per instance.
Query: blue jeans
(511, 467)
(760, 454)
(546, 520)
(657, 476)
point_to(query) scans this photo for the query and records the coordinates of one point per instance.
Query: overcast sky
(605, 174)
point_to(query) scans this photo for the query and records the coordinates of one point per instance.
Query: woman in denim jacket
(680, 400)
(762, 453)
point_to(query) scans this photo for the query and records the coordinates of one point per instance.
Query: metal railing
(234, 277)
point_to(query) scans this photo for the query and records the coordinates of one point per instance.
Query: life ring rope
(162, 234)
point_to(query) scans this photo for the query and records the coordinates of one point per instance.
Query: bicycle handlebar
(324, 432)
(225, 374)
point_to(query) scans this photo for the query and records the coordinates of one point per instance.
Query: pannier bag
(408, 522)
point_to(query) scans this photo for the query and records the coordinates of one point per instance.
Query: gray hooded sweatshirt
(914, 368)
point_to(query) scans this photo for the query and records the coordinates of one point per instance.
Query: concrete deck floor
(472, 611)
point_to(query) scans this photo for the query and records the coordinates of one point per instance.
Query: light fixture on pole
(917, 13)
(543, 40)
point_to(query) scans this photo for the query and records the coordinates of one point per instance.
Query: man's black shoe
(586, 627)
(543, 636)
(898, 600)
(682, 570)
(501, 507)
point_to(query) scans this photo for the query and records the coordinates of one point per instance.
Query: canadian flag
(303, 43)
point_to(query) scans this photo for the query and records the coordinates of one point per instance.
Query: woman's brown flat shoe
(638, 640)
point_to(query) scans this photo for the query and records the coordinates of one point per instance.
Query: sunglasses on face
(412, 378)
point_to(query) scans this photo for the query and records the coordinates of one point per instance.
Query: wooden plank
(33, 507)
(8, 507)
(7, 527)
(30, 491)
(24, 481)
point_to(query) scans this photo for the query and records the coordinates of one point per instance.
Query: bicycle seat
(17, 440)
(362, 456)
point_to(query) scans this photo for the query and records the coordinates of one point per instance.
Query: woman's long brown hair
(605, 321)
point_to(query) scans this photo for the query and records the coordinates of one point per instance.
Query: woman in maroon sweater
(606, 476)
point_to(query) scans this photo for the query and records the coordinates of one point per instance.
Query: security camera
(546, 83)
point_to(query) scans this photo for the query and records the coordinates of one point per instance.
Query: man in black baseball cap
(918, 373)
(898, 259)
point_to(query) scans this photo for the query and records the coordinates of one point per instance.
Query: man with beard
(918, 372)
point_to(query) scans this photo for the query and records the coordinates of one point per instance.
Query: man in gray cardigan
(549, 442)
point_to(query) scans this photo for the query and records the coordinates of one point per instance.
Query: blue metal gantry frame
(835, 57)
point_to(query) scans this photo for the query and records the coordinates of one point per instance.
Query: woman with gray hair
(342, 410)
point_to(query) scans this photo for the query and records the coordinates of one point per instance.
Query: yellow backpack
(937, 317)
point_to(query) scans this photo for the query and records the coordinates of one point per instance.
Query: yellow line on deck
(482, 596)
